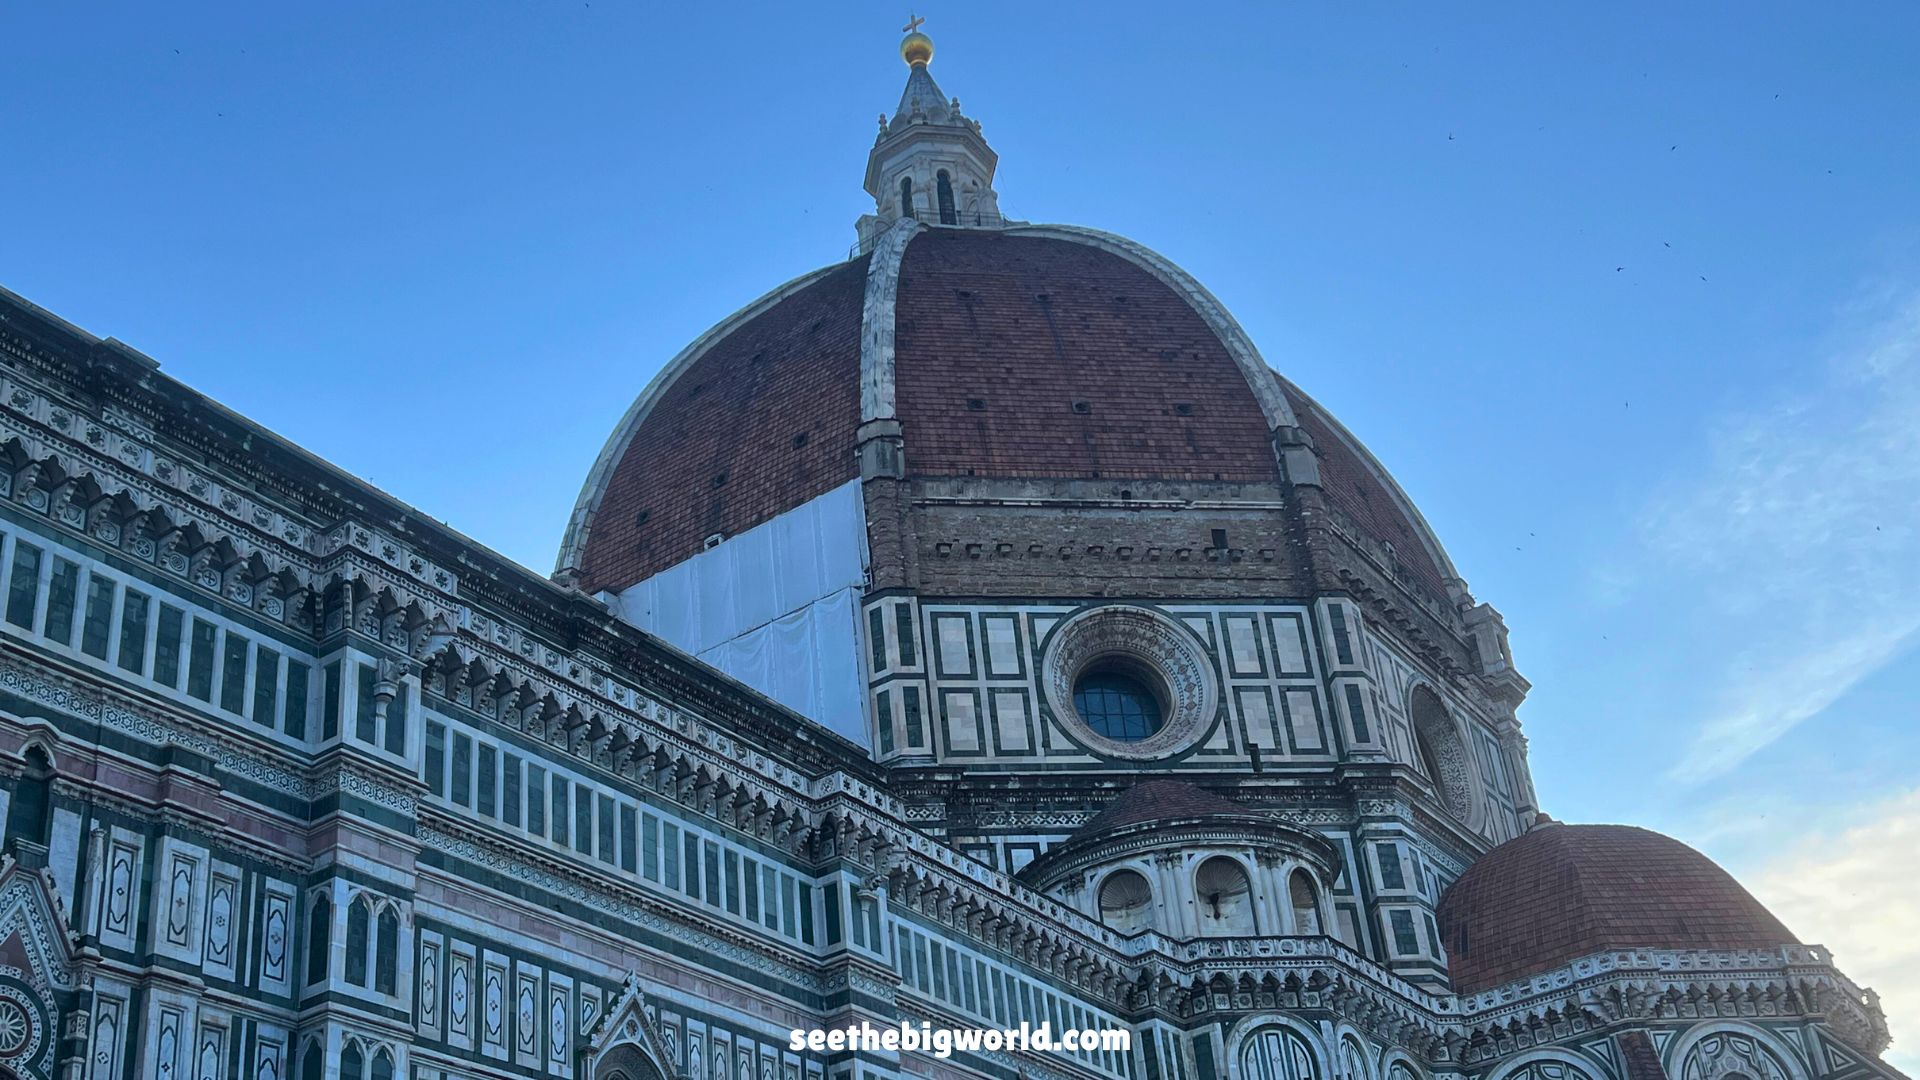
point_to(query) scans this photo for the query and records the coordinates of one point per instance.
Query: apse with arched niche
(1126, 902)
(1223, 897)
(1277, 1053)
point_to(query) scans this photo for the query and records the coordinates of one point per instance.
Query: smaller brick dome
(1561, 892)
(1159, 802)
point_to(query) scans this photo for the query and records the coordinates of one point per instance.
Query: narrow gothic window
(387, 952)
(357, 944)
(319, 928)
(353, 1064)
(944, 192)
(383, 1066)
(27, 814)
(906, 196)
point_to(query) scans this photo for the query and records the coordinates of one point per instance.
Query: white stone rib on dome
(877, 320)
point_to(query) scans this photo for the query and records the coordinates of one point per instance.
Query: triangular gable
(36, 968)
(33, 928)
(627, 1024)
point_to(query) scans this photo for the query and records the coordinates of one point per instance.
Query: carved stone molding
(1145, 640)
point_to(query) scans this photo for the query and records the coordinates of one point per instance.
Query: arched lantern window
(943, 191)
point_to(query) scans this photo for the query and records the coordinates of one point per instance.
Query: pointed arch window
(353, 1063)
(319, 930)
(314, 1065)
(382, 1066)
(357, 928)
(27, 814)
(943, 191)
(386, 951)
(906, 197)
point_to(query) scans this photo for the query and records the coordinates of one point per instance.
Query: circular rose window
(1128, 682)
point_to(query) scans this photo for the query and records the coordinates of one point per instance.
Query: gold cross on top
(913, 23)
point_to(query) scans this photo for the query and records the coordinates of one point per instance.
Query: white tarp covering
(776, 607)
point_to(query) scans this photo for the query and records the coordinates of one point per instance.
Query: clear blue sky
(1627, 298)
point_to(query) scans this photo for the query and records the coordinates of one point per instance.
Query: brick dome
(1158, 802)
(1561, 892)
(1025, 353)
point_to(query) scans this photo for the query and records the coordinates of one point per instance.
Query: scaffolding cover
(776, 607)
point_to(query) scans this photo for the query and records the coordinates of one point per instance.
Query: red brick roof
(998, 337)
(1016, 357)
(1155, 801)
(737, 413)
(1561, 892)
(1353, 487)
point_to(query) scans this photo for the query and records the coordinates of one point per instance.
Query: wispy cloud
(1798, 542)
(1851, 890)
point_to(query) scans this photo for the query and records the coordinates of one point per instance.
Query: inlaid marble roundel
(1145, 641)
(23, 1029)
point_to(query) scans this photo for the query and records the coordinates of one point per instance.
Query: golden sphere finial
(917, 49)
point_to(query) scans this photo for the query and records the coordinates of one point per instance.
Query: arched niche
(1126, 902)
(1223, 898)
(1441, 753)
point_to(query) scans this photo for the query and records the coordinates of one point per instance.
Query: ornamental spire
(929, 161)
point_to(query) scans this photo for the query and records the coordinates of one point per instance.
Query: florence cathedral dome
(975, 631)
